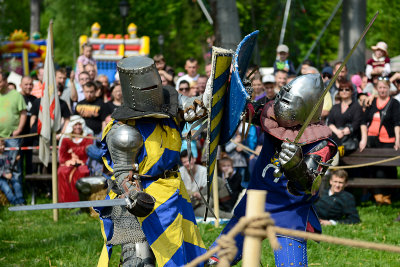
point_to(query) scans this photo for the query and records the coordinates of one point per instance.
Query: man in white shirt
(194, 176)
(191, 68)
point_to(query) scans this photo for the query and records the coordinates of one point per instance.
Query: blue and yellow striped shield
(221, 65)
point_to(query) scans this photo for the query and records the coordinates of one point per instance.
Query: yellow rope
(332, 167)
(364, 164)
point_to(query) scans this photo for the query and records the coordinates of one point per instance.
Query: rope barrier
(82, 136)
(35, 134)
(331, 167)
(19, 136)
(263, 226)
(337, 240)
(37, 147)
(364, 164)
(25, 148)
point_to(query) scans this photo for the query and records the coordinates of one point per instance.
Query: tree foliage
(14, 15)
(185, 28)
(180, 22)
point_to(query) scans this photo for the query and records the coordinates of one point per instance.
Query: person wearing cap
(269, 88)
(282, 62)
(379, 63)
(327, 73)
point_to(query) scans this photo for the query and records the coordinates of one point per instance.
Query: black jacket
(339, 207)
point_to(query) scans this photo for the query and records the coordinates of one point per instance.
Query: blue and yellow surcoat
(170, 228)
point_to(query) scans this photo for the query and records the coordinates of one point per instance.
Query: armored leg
(137, 255)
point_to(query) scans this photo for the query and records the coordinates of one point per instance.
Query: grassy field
(33, 239)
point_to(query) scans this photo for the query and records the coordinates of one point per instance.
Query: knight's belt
(166, 174)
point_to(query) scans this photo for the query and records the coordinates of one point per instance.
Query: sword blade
(333, 80)
(71, 205)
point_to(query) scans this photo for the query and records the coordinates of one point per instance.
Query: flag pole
(54, 148)
(215, 195)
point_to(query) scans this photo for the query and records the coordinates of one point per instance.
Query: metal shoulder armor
(124, 142)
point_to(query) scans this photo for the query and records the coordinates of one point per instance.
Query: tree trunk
(226, 23)
(353, 23)
(35, 17)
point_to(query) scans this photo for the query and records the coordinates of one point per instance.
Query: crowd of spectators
(362, 111)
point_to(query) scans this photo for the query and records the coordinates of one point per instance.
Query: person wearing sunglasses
(381, 125)
(184, 88)
(345, 119)
(342, 77)
(372, 88)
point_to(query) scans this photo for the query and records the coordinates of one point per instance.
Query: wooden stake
(215, 194)
(252, 245)
(54, 180)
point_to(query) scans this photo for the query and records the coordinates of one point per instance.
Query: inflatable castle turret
(19, 53)
(108, 49)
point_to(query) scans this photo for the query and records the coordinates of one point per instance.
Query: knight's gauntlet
(192, 107)
(303, 172)
(140, 203)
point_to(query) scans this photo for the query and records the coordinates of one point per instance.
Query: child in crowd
(231, 184)
(238, 154)
(6, 165)
(85, 59)
(379, 64)
(282, 62)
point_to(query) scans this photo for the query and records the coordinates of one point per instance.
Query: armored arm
(124, 143)
(304, 172)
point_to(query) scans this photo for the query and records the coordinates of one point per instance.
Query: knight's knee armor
(139, 254)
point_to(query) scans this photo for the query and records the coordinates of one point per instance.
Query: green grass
(34, 239)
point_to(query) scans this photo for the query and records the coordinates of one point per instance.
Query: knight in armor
(291, 173)
(141, 146)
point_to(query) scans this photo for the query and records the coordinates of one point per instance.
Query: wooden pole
(54, 180)
(252, 245)
(215, 194)
(54, 174)
(25, 61)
